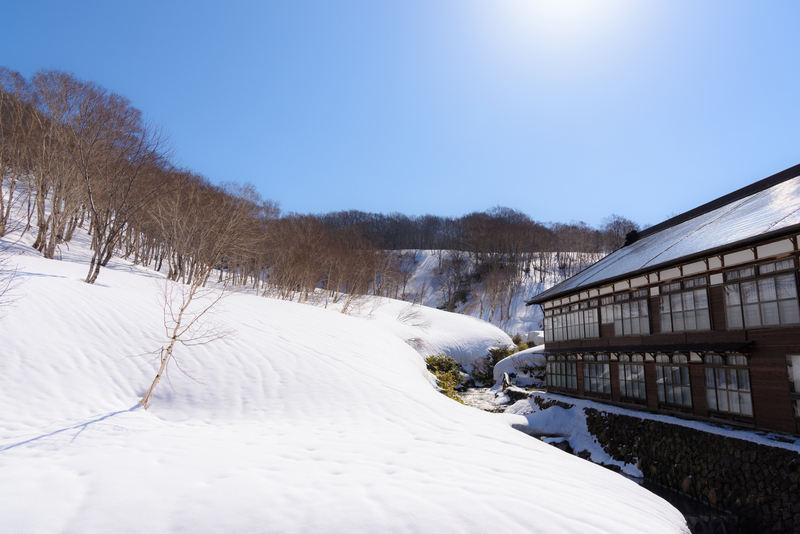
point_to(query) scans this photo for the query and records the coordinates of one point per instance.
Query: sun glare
(557, 26)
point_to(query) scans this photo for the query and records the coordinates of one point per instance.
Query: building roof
(763, 209)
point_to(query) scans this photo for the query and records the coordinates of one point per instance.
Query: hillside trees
(79, 153)
(615, 228)
(113, 151)
(16, 128)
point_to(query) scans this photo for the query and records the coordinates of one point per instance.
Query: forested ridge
(75, 155)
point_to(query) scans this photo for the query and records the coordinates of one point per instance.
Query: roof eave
(547, 296)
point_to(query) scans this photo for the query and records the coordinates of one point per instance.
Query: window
(562, 372)
(684, 306)
(793, 364)
(597, 374)
(763, 300)
(628, 312)
(576, 321)
(728, 384)
(631, 376)
(672, 380)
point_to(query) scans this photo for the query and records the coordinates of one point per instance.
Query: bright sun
(558, 24)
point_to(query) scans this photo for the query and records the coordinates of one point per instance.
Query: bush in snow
(483, 369)
(448, 374)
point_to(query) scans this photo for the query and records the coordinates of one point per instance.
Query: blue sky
(565, 110)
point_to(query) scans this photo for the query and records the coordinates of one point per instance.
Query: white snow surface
(303, 420)
(532, 357)
(525, 407)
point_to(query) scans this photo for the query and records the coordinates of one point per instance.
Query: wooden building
(697, 316)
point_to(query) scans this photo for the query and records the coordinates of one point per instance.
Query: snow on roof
(766, 207)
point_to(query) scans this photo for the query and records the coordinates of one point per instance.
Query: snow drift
(303, 420)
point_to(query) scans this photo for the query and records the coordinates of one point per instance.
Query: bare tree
(615, 228)
(113, 150)
(8, 281)
(451, 278)
(16, 130)
(186, 310)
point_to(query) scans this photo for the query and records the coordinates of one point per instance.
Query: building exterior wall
(765, 348)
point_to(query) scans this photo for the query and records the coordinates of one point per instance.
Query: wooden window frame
(667, 370)
(597, 375)
(683, 290)
(726, 369)
(619, 311)
(562, 372)
(631, 378)
(735, 316)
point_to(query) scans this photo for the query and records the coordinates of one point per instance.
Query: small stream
(481, 398)
(700, 517)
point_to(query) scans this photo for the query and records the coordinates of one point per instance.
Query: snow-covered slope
(303, 420)
(524, 319)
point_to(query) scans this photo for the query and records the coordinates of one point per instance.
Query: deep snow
(302, 420)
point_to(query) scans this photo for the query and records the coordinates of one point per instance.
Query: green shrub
(447, 373)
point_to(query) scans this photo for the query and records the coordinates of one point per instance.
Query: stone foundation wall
(759, 484)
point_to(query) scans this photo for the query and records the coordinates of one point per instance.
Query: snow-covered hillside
(302, 420)
(425, 288)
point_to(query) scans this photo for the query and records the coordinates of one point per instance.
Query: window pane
(766, 289)
(677, 321)
(708, 374)
(732, 295)
(722, 400)
(684, 376)
(690, 321)
(769, 313)
(711, 398)
(644, 325)
(720, 378)
(733, 402)
(786, 287)
(688, 301)
(703, 320)
(675, 302)
(733, 316)
(751, 315)
(635, 326)
(733, 379)
(700, 299)
(744, 380)
(643, 310)
(790, 314)
(666, 322)
(665, 305)
(749, 292)
(745, 404)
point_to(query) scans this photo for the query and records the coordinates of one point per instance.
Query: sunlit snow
(303, 420)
